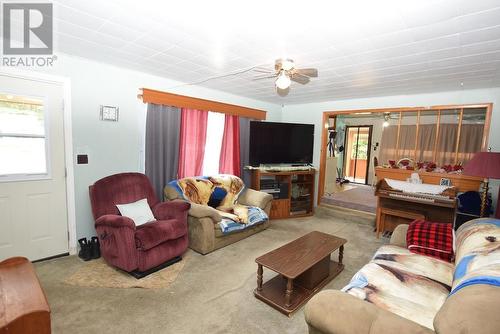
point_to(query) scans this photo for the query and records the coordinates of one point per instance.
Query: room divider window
(443, 136)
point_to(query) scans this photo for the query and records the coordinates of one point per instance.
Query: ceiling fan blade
(263, 77)
(301, 79)
(263, 70)
(310, 72)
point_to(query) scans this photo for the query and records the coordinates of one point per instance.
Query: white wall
(117, 147)
(313, 112)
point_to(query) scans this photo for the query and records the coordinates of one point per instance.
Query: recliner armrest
(170, 209)
(337, 312)
(256, 198)
(115, 221)
(202, 211)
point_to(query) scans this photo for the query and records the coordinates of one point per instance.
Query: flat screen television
(281, 143)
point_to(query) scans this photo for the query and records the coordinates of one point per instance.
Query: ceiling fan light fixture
(283, 81)
(386, 120)
(287, 64)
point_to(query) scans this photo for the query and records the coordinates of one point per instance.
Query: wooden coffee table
(304, 267)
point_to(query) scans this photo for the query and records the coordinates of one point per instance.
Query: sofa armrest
(170, 193)
(170, 209)
(398, 237)
(115, 221)
(337, 312)
(203, 211)
(256, 198)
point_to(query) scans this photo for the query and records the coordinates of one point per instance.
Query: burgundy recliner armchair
(146, 247)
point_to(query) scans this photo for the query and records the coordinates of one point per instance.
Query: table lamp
(487, 165)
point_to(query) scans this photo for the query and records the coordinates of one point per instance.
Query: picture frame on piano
(445, 182)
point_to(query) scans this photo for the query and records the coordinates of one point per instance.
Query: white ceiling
(361, 48)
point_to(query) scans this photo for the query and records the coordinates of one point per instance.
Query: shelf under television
(283, 208)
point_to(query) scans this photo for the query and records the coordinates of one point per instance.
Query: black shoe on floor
(95, 249)
(84, 252)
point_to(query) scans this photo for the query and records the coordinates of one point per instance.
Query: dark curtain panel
(162, 145)
(245, 150)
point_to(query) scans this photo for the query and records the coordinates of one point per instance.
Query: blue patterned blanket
(255, 216)
(478, 254)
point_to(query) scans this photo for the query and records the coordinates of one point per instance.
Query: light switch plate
(109, 113)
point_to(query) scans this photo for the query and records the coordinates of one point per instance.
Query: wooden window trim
(328, 114)
(182, 101)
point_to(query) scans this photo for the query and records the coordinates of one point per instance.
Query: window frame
(18, 177)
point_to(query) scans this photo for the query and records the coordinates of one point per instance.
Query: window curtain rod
(182, 101)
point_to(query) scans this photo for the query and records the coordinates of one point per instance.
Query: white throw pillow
(139, 211)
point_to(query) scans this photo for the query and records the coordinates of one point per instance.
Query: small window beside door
(23, 138)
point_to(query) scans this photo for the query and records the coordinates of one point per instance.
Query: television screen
(281, 143)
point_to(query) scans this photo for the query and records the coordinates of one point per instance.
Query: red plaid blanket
(431, 239)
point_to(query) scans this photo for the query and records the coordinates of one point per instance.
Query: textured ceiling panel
(361, 48)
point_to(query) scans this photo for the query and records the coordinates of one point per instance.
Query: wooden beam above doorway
(183, 101)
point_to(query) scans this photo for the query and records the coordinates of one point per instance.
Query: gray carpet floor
(213, 293)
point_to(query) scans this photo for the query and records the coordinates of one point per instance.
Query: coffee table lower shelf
(273, 291)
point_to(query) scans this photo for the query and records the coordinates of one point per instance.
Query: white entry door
(33, 212)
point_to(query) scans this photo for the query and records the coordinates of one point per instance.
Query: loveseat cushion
(410, 285)
(154, 233)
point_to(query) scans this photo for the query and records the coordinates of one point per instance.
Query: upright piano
(395, 206)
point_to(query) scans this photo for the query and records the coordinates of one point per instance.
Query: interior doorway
(357, 153)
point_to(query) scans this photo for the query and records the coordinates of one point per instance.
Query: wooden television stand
(293, 191)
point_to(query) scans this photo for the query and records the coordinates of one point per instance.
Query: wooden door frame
(68, 142)
(330, 114)
(370, 131)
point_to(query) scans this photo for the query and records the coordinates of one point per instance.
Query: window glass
(22, 136)
(447, 137)
(426, 140)
(471, 134)
(213, 143)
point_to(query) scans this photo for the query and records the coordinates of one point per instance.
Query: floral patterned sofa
(403, 292)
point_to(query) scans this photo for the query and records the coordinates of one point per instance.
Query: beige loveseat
(205, 234)
(401, 292)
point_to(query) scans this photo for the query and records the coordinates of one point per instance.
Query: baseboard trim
(51, 257)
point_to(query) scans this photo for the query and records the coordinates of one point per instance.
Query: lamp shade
(485, 164)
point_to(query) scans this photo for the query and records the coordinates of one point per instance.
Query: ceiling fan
(285, 72)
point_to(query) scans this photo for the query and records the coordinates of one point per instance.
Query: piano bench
(383, 212)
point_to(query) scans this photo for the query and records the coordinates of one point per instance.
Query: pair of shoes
(85, 249)
(89, 249)
(95, 248)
